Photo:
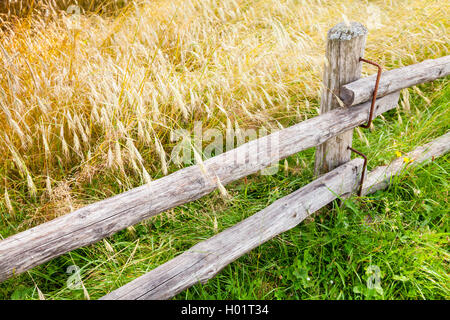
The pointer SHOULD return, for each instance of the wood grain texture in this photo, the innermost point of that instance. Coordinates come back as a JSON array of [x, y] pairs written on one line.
[[94, 222], [345, 45], [204, 260], [361, 90]]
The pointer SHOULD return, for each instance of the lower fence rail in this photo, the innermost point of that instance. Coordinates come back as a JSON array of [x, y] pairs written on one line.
[[207, 258]]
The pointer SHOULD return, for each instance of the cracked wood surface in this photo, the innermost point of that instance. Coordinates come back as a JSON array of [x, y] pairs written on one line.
[[345, 45]]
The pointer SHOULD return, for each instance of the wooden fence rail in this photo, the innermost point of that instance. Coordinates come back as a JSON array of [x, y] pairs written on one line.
[[94, 222], [204, 260]]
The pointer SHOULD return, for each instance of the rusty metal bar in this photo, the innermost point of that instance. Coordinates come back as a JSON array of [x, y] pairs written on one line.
[[375, 90]]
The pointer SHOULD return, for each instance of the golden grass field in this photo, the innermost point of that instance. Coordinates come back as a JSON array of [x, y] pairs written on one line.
[[90, 95]]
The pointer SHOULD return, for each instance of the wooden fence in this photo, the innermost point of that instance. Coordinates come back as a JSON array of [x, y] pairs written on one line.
[[344, 105]]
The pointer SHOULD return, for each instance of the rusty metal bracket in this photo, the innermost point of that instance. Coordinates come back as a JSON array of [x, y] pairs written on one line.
[[369, 122], [363, 173], [375, 90]]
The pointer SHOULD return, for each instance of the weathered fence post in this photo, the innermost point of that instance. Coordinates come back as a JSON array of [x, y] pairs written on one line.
[[345, 45]]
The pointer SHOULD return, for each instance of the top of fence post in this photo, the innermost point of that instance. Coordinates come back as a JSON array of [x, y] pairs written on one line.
[[343, 31], [345, 45]]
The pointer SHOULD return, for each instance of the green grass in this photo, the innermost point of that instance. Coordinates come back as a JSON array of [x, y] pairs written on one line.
[[402, 231]]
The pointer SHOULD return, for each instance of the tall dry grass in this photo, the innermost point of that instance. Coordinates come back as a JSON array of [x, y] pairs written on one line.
[[24, 8], [87, 96]]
